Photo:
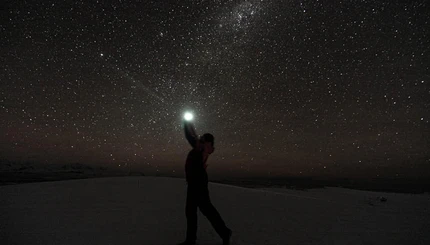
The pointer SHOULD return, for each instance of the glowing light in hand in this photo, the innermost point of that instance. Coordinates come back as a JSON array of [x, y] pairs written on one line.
[[188, 116]]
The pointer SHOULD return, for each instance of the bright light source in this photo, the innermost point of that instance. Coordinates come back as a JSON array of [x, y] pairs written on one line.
[[188, 116]]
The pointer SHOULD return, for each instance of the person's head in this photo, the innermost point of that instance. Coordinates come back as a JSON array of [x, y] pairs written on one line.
[[207, 141]]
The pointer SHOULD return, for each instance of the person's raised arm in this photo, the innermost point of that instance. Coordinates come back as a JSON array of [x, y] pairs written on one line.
[[190, 133]]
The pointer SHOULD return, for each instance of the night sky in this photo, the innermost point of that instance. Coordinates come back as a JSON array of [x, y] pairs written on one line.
[[287, 87]]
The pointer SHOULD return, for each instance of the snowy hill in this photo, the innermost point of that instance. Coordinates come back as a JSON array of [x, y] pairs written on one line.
[[150, 210]]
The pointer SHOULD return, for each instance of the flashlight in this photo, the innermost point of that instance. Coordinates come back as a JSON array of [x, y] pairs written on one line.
[[188, 116]]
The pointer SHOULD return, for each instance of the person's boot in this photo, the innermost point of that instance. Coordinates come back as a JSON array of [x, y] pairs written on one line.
[[187, 243], [227, 238]]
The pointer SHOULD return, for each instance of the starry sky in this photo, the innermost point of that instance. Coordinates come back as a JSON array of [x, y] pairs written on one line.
[[287, 87]]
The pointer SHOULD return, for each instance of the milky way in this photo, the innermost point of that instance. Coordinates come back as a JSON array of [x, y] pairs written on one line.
[[286, 87]]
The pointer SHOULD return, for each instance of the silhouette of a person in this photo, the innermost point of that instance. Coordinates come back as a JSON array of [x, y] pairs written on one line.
[[197, 190]]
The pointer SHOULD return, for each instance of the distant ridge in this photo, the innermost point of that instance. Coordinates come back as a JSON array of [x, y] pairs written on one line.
[[27, 172]]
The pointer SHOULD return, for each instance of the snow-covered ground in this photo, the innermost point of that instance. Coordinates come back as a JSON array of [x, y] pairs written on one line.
[[150, 210]]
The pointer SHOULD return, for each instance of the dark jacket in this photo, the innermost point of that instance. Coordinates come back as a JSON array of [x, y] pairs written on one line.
[[195, 170], [196, 174]]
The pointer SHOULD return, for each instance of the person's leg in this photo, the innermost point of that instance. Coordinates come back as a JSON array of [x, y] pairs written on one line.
[[191, 214], [212, 215]]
